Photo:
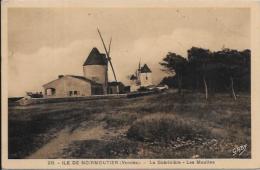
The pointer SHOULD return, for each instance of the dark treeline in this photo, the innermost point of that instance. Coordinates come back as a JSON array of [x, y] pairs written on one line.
[[211, 72]]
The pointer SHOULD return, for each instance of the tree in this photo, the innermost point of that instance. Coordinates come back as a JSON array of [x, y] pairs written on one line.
[[227, 70], [245, 79], [175, 64], [199, 59], [233, 63], [170, 81]]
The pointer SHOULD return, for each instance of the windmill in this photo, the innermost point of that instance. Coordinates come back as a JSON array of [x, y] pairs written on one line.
[[108, 56], [139, 71]]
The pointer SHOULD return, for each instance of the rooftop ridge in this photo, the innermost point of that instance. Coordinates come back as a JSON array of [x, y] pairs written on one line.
[[95, 58]]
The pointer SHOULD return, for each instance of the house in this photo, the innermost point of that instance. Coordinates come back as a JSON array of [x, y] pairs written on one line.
[[71, 85], [94, 81]]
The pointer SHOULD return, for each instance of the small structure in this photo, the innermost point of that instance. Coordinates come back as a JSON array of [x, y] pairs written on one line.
[[145, 76], [141, 78], [134, 83], [35, 95], [116, 87]]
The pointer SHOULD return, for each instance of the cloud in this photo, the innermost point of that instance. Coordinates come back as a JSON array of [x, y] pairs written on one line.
[[28, 72], [152, 50]]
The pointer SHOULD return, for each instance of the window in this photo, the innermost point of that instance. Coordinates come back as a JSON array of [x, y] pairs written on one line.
[[70, 93], [50, 92], [75, 92], [53, 91]]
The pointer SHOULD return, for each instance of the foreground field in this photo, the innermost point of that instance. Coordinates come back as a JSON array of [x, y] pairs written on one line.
[[157, 126]]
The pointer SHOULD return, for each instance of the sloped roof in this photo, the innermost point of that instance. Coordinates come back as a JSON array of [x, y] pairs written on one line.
[[145, 69], [84, 79], [95, 58], [77, 77], [133, 77]]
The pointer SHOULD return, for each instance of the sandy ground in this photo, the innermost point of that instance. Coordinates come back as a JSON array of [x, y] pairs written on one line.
[[54, 148], [100, 129]]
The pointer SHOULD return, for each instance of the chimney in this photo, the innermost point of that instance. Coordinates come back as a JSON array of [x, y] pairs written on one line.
[[60, 76]]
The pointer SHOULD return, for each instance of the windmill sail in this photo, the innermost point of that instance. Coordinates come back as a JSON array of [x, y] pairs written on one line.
[[109, 45], [107, 53]]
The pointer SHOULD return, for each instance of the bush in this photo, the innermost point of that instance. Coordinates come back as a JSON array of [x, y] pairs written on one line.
[[119, 119], [101, 149], [165, 127]]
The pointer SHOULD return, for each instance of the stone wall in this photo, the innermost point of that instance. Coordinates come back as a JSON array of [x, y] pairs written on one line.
[[96, 73]]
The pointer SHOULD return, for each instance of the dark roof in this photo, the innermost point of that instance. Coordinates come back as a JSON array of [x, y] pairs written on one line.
[[95, 58], [84, 79], [114, 83], [133, 77], [145, 69]]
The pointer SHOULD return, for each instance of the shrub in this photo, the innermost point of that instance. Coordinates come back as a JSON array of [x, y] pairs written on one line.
[[119, 119], [101, 149], [165, 127]]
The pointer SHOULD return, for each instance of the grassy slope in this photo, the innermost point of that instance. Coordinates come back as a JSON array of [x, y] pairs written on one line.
[[226, 121]]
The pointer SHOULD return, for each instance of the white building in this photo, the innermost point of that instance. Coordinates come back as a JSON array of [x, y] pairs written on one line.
[[142, 78], [145, 76]]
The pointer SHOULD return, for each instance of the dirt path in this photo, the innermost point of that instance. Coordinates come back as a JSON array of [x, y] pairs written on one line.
[[53, 148]]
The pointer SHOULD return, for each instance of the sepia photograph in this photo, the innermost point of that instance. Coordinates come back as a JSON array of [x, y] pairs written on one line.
[[129, 83]]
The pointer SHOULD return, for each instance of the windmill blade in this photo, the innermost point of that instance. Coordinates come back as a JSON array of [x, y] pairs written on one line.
[[139, 65], [112, 69], [108, 57], [102, 41], [109, 45]]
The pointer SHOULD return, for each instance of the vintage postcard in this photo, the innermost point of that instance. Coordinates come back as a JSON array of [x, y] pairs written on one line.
[[130, 84]]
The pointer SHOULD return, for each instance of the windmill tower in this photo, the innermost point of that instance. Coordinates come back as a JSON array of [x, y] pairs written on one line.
[[145, 76], [95, 67]]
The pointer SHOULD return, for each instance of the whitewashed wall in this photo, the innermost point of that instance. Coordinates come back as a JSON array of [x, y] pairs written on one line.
[[146, 79], [65, 84]]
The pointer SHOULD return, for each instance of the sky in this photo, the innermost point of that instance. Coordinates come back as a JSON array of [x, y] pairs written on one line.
[[46, 42]]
